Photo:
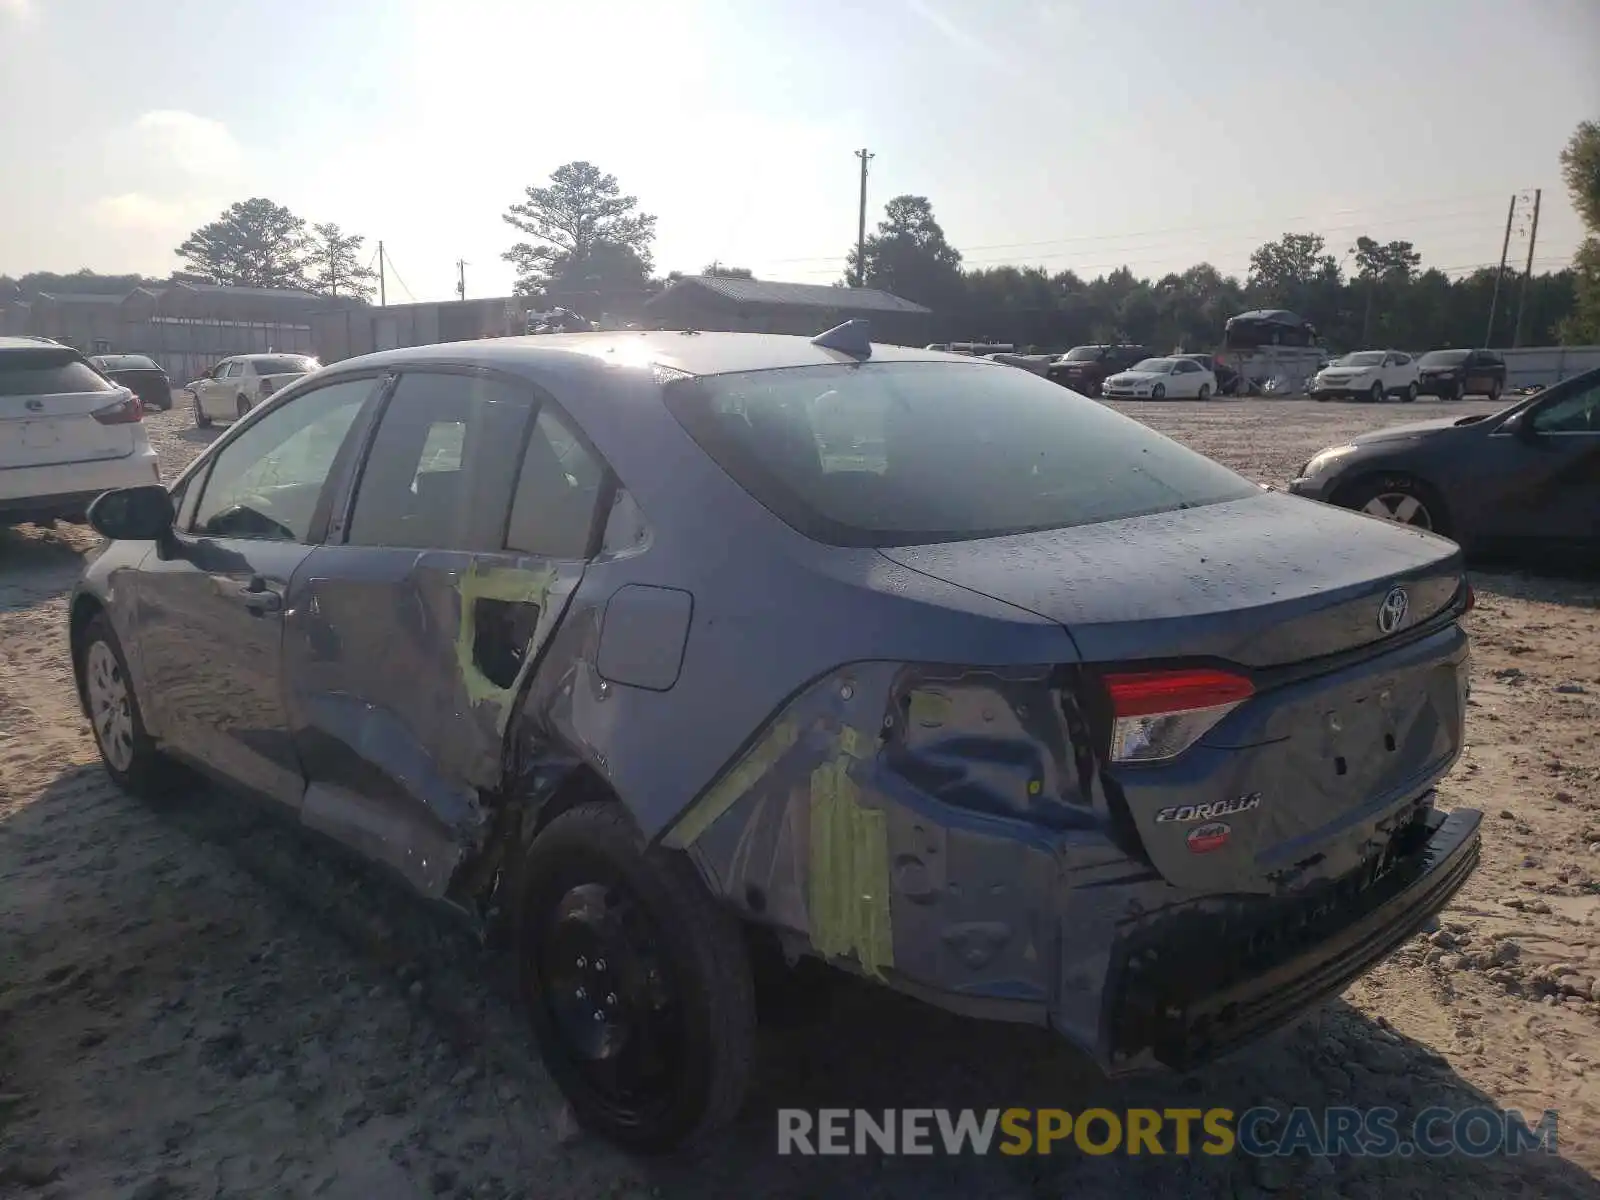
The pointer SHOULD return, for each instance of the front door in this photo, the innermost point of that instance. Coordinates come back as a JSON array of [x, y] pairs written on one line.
[[212, 603], [1549, 480], [418, 622]]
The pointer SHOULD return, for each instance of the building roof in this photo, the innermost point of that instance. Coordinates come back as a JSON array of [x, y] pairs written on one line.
[[796, 295], [81, 297], [224, 289]]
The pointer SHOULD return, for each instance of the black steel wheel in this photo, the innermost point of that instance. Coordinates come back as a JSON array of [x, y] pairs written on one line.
[[636, 982], [1159, 392]]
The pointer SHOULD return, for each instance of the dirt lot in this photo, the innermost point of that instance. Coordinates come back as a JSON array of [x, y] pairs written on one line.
[[195, 1001]]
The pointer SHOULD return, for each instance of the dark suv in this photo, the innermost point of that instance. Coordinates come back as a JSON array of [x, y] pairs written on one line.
[[1085, 368], [1453, 374]]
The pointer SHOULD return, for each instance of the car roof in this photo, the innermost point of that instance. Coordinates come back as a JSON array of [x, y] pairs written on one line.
[[691, 353], [32, 343]]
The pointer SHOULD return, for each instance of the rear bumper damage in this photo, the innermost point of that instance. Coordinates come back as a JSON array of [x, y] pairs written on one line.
[[1052, 917]]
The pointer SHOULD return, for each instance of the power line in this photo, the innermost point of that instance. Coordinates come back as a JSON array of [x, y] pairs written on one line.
[[395, 272]]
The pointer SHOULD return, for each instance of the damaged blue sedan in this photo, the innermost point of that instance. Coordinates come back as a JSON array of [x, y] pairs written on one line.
[[664, 652]]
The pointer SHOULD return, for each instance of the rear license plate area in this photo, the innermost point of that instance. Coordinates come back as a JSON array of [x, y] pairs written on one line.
[[38, 435]]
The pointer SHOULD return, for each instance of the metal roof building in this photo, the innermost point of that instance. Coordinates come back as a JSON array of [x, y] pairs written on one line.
[[714, 302]]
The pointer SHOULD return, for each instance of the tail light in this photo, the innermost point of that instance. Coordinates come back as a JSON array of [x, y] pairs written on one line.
[[1472, 598], [1160, 714], [125, 411]]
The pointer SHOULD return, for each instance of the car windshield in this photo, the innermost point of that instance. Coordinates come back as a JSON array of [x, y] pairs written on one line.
[[1363, 358], [1082, 354], [1154, 366], [125, 362], [48, 373], [1443, 358], [284, 364], [903, 453]]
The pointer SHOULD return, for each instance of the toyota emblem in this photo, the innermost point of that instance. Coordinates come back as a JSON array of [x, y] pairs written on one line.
[[1393, 610]]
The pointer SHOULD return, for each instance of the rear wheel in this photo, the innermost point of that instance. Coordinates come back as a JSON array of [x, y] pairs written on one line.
[[636, 982], [1410, 394], [1159, 392], [1494, 391], [1404, 501], [129, 754], [1205, 391], [201, 421]]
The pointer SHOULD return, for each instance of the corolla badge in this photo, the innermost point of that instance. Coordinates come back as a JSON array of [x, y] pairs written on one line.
[[1393, 610]]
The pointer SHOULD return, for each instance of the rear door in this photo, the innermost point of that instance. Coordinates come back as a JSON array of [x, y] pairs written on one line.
[[419, 621], [48, 400], [212, 605]]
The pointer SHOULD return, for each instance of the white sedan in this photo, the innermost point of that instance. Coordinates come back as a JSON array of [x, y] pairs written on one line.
[[1161, 379], [238, 384]]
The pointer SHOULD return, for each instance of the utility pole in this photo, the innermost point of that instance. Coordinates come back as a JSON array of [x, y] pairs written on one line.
[[383, 292], [861, 227], [461, 278], [1522, 301], [1494, 299]]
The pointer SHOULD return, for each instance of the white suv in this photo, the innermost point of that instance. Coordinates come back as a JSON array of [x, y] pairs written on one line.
[[238, 384], [67, 433], [1367, 375]]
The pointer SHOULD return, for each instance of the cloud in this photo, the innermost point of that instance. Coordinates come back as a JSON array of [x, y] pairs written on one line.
[[142, 213], [194, 145]]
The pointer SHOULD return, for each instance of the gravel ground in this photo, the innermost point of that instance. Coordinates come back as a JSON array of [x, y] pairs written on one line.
[[198, 1001]]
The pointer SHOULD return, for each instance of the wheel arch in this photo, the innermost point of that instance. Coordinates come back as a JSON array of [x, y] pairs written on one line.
[[85, 608], [1445, 517]]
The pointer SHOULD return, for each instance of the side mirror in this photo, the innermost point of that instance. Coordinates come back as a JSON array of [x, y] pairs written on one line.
[[1522, 427], [134, 514]]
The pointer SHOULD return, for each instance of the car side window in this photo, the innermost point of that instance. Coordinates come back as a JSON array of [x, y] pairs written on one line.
[[557, 491], [266, 482], [1402, 360], [1579, 413], [441, 468]]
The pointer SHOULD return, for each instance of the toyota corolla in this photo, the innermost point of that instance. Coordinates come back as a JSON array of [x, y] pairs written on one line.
[[677, 648]]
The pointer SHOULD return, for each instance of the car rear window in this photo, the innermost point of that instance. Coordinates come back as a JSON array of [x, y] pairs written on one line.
[[48, 373], [284, 365], [1443, 358], [126, 362], [904, 453], [1082, 354]]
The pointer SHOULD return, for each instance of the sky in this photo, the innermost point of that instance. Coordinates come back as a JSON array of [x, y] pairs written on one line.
[[1081, 134]]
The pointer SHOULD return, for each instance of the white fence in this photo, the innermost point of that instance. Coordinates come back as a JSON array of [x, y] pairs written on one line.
[[1547, 364]]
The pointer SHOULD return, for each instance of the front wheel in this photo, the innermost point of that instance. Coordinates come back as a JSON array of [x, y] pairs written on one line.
[[241, 406], [1377, 393], [636, 982], [129, 754], [201, 420], [1403, 501], [1159, 392], [1205, 391]]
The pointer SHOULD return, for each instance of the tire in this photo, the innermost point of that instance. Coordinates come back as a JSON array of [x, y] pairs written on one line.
[[1205, 392], [129, 754], [241, 406], [1403, 500], [590, 887], [1494, 391], [1409, 396], [1159, 392], [1376, 395], [201, 421]]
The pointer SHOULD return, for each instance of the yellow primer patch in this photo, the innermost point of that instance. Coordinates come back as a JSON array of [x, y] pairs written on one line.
[[720, 797], [849, 879], [493, 583], [929, 708]]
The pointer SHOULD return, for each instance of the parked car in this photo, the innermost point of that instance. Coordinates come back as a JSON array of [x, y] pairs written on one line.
[[1367, 375], [1084, 368], [1161, 379], [1525, 477], [67, 433], [140, 374], [238, 384], [677, 650], [1454, 374], [1227, 378]]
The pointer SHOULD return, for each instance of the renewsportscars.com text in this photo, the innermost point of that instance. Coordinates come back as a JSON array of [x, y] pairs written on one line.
[[1257, 1132]]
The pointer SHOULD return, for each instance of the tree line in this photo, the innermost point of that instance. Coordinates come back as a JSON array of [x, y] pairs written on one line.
[[587, 245]]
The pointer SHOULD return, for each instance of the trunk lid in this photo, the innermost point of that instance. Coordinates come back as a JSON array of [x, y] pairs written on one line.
[[1264, 581], [1319, 771], [41, 431]]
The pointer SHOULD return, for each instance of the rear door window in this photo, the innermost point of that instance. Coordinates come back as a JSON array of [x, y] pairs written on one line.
[[901, 453], [558, 489], [443, 464], [48, 373]]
